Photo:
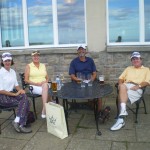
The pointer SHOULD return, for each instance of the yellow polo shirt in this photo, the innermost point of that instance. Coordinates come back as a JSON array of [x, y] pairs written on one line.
[[37, 74], [136, 75]]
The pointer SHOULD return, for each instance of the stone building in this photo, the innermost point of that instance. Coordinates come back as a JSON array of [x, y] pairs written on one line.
[[110, 56]]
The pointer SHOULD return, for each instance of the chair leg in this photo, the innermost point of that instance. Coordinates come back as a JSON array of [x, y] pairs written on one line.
[[117, 105], [144, 105], [136, 114], [34, 108], [14, 113]]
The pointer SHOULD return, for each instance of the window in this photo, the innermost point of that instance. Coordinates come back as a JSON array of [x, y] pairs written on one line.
[[11, 23], [42, 23], [147, 20], [71, 22], [126, 22]]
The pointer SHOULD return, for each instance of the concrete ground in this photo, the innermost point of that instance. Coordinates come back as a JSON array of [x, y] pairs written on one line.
[[83, 132]]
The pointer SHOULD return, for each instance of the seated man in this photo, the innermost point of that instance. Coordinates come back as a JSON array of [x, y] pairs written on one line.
[[84, 65], [130, 83]]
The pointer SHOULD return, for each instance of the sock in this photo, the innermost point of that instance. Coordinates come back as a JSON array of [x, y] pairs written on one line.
[[120, 119], [17, 119], [123, 106]]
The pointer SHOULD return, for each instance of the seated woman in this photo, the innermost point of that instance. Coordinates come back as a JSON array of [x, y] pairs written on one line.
[[8, 81], [36, 75]]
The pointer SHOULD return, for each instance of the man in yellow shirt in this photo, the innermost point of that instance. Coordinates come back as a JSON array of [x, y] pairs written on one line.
[[130, 83]]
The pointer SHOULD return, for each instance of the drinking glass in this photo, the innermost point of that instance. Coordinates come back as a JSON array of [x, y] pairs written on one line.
[[62, 79], [82, 80], [101, 79], [89, 78], [79, 76]]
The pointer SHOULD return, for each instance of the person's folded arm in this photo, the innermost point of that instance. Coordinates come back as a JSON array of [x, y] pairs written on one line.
[[93, 76], [74, 78]]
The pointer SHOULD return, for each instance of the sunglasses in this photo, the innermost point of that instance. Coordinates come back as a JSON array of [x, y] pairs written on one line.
[[35, 52], [6, 55]]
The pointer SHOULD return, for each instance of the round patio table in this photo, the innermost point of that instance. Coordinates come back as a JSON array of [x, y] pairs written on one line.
[[74, 91]]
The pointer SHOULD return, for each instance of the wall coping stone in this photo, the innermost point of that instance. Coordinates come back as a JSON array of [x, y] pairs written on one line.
[[116, 48], [63, 50]]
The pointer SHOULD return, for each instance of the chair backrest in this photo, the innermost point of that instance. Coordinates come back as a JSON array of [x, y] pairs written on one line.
[[24, 85]]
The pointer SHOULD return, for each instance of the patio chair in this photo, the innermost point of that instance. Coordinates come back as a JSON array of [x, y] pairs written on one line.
[[137, 103], [4, 108], [29, 92]]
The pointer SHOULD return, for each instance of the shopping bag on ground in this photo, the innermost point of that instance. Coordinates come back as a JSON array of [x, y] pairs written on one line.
[[56, 122]]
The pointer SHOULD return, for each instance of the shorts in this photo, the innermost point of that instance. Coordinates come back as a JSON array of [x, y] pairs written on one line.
[[38, 89], [133, 95]]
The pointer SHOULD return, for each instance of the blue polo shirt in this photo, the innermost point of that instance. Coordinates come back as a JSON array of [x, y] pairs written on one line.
[[85, 67]]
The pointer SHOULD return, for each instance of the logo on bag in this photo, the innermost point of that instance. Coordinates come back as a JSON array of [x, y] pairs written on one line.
[[52, 120]]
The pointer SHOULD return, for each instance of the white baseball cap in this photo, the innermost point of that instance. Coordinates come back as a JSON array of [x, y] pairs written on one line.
[[81, 46], [6, 56]]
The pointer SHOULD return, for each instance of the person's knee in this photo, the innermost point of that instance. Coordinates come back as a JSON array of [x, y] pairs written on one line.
[[122, 87], [45, 86]]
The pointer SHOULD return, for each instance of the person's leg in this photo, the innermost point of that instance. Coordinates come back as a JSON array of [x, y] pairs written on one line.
[[45, 89], [123, 98], [124, 94], [22, 113]]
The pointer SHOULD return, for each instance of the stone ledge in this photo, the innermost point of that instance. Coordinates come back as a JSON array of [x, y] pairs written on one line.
[[140, 48], [58, 50]]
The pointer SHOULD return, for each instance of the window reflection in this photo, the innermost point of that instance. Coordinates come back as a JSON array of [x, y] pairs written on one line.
[[40, 22], [147, 20], [11, 23], [123, 20], [71, 22]]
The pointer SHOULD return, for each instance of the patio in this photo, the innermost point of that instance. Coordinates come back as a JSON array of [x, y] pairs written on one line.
[[83, 132]]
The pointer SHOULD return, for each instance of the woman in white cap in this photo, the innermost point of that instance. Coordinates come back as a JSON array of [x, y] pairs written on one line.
[[8, 81], [36, 75]]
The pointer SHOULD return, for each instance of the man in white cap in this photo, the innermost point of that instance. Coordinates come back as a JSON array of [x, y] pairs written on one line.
[[85, 66], [130, 83]]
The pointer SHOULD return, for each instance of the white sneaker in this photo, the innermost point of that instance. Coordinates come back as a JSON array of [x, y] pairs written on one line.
[[43, 116], [118, 125], [123, 113]]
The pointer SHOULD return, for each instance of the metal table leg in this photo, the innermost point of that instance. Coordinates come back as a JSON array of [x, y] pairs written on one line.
[[97, 116], [65, 105]]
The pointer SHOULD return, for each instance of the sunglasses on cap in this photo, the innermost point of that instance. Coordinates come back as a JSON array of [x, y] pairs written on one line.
[[6, 55], [35, 52]]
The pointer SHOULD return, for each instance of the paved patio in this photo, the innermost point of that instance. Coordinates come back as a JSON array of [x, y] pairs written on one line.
[[83, 132]]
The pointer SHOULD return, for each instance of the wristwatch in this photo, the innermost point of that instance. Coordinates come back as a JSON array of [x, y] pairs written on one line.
[[140, 86]]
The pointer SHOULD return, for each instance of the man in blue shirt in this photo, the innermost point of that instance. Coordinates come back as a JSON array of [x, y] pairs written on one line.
[[84, 65]]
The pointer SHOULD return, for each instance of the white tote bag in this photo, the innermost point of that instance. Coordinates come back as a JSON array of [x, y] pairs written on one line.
[[56, 123]]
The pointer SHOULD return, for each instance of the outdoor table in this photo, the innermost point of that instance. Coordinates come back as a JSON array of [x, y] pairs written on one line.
[[74, 91]]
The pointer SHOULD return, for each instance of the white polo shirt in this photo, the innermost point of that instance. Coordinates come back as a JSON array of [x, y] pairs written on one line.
[[8, 79]]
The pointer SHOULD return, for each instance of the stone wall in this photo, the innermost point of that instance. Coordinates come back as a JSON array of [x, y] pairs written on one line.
[[109, 64]]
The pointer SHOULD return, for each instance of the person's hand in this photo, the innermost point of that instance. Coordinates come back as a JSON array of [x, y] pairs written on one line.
[[134, 88], [18, 93], [43, 82], [22, 91]]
